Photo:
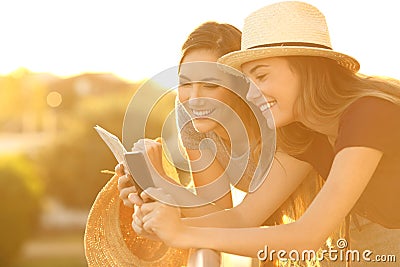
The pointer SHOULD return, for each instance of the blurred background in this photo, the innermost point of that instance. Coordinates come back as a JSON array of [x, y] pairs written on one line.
[[66, 66], [50, 161]]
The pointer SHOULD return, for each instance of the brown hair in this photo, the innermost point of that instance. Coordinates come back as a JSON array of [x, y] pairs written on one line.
[[221, 38]]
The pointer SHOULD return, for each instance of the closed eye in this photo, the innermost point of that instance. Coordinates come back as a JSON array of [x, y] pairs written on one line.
[[210, 85], [261, 77], [187, 85]]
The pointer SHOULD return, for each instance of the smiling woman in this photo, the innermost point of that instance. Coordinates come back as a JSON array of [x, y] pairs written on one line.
[[205, 98], [279, 88], [212, 100], [330, 119]]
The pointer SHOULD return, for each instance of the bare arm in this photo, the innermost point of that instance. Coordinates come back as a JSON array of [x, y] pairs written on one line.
[[204, 177], [350, 173], [128, 192], [285, 176]]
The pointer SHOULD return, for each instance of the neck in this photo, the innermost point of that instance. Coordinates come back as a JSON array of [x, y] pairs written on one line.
[[233, 136], [328, 129], [221, 132]]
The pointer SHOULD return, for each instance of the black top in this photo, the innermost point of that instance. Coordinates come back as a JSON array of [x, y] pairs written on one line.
[[375, 123]]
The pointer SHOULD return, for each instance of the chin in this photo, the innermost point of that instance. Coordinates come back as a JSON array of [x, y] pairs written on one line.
[[281, 123], [203, 125]]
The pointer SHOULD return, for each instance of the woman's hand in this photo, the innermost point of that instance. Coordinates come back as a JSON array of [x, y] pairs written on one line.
[[127, 190], [137, 225], [160, 219], [152, 150]]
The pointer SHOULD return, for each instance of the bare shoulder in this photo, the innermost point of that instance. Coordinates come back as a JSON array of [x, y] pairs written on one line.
[[290, 165], [357, 159]]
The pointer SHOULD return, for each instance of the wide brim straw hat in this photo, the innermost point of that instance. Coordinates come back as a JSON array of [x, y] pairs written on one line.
[[110, 240], [286, 29]]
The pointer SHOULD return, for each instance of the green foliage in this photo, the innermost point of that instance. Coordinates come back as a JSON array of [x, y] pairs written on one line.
[[20, 190]]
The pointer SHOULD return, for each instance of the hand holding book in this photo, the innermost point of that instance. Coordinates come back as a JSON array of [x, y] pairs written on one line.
[[146, 172], [134, 162]]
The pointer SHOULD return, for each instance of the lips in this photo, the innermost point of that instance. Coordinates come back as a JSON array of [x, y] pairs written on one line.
[[202, 112], [267, 105]]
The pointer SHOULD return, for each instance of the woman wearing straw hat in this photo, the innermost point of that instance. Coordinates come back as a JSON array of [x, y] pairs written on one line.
[[329, 118]]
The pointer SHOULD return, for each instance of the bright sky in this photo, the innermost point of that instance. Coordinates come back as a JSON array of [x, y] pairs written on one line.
[[136, 39]]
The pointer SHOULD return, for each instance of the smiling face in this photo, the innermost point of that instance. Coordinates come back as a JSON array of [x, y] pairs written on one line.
[[274, 87], [200, 90]]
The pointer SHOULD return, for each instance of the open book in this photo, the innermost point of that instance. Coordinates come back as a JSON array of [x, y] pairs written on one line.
[[134, 162], [136, 165]]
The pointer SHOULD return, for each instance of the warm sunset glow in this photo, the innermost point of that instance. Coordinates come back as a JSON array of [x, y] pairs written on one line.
[[138, 39], [68, 65], [54, 99]]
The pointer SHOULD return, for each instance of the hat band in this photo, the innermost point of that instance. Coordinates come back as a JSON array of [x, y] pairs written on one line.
[[291, 44]]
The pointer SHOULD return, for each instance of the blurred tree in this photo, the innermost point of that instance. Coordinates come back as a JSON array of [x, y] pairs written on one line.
[[20, 190]]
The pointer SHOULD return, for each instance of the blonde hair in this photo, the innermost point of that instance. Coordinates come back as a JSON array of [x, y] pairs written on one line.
[[327, 90]]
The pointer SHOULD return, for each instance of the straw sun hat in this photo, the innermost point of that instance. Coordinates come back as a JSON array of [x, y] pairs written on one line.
[[110, 240], [286, 29]]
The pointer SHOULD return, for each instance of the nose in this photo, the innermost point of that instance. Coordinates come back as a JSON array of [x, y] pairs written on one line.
[[253, 92], [195, 90], [195, 95]]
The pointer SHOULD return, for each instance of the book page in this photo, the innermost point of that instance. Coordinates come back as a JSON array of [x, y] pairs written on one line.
[[113, 142]]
